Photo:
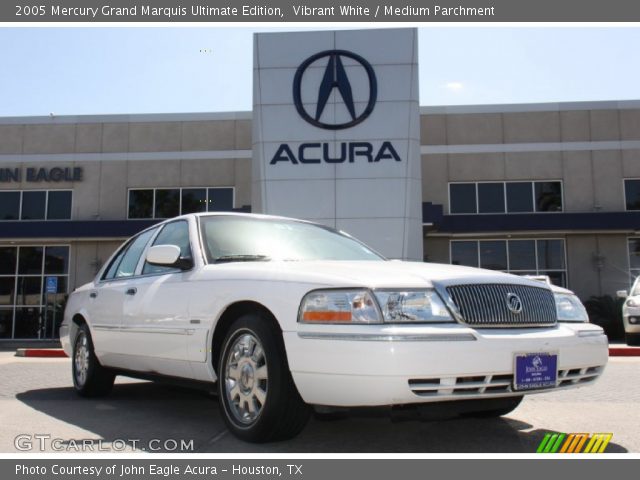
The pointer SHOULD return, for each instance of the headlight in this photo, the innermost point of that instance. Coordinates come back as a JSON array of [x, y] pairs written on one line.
[[339, 306], [632, 303], [361, 306], [412, 306], [570, 309]]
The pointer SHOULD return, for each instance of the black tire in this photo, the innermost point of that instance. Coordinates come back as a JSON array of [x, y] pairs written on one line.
[[493, 407], [256, 375], [632, 339], [90, 379]]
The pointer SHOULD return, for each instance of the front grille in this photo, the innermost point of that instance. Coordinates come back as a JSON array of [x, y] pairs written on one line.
[[486, 305], [492, 384]]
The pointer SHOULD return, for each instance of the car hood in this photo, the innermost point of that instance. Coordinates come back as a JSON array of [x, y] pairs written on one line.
[[372, 274]]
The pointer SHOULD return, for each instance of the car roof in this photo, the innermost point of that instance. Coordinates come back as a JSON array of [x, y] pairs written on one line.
[[238, 214]]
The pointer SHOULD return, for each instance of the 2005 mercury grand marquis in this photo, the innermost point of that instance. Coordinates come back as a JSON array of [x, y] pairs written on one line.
[[285, 314]]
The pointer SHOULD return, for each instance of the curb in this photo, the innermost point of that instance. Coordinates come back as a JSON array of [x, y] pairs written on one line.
[[41, 352], [624, 351]]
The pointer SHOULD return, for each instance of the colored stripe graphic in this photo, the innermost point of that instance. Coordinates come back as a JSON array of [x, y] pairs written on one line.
[[565, 447], [543, 443], [550, 443], [578, 442], [574, 443], [598, 443]]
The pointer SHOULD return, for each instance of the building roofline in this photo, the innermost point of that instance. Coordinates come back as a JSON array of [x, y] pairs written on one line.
[[532, 107], [248, 115], [127, 118]]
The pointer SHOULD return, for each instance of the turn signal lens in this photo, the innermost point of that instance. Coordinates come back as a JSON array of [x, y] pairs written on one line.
[[339, 306]]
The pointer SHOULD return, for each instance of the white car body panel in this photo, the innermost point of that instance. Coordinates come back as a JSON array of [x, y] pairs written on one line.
[[167, 327]]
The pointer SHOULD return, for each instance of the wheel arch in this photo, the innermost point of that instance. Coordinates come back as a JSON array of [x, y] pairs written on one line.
[[232, 312]]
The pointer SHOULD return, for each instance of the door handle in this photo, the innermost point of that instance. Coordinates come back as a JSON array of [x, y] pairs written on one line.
[[131, 291], [93, 294]]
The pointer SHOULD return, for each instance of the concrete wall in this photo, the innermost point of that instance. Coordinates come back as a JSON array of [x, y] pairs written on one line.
[[116, 156], [579, 148]]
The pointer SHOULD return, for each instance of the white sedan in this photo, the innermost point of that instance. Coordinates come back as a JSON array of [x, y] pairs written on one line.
[[285, 315]]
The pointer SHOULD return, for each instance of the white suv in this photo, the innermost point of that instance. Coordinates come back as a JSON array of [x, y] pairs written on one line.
[[285, 314]]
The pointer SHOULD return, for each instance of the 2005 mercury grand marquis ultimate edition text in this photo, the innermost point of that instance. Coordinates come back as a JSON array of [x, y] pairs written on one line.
[[286, 315]]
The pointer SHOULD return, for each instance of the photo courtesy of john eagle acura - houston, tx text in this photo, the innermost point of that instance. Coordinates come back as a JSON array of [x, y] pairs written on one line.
[[317, 253]]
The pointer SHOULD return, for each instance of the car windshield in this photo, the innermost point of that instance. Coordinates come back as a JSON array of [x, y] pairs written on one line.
[[229, 239]]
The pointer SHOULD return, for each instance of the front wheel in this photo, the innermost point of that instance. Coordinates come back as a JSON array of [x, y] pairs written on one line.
[[90, 379], [258, 399], [632, 339]]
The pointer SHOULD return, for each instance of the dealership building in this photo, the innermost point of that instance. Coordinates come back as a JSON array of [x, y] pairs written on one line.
[[337, 136]]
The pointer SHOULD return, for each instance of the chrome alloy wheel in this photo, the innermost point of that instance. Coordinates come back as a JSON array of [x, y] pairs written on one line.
[[246, 378], [81, 359]]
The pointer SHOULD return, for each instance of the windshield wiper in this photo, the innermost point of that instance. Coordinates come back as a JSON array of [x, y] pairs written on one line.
[[242, 258]]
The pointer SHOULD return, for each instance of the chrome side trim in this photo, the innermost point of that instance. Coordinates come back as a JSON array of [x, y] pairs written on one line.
[[375, 337], [163, 330]]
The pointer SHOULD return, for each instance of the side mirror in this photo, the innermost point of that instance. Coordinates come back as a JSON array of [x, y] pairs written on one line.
[[622, 294], [163, 255]]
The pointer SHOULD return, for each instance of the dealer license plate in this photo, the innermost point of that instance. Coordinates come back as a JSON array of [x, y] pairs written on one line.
[[535, 370]]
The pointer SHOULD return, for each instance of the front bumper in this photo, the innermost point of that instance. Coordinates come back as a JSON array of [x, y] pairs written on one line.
[[394, 365], [628, 326]]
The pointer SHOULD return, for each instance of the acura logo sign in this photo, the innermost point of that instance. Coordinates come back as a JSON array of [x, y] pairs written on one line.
[[514, 304], [335, 78]]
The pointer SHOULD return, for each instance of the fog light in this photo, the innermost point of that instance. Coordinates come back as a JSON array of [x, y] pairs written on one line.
[[633, 320]]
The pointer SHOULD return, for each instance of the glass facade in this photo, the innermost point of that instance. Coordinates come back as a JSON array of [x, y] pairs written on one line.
[[505, 197], [171, 202], [27, 310], [520, 257], [36, 205]]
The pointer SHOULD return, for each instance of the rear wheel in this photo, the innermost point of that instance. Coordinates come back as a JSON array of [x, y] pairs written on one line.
[[90, 379], [258, 399], [632, 339]]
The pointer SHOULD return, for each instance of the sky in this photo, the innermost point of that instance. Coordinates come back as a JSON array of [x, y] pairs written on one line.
[[77, 71]]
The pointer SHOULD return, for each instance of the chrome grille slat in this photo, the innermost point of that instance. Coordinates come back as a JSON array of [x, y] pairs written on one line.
[[486, 304]]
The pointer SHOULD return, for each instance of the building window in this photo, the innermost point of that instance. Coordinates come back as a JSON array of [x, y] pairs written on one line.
[[548, 196], [36, 205], [26, 309], [171, 202], [167, 204], [59, 205], [9, 205], [634, 257], [520, 257], [519, 197], [462, 198], [490, 198], [632, 194], [509, 197]]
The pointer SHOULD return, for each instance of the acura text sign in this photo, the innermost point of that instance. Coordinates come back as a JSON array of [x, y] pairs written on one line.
[[336, 133]]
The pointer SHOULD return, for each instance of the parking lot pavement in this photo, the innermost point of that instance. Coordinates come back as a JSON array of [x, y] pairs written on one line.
[[36, 398]]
